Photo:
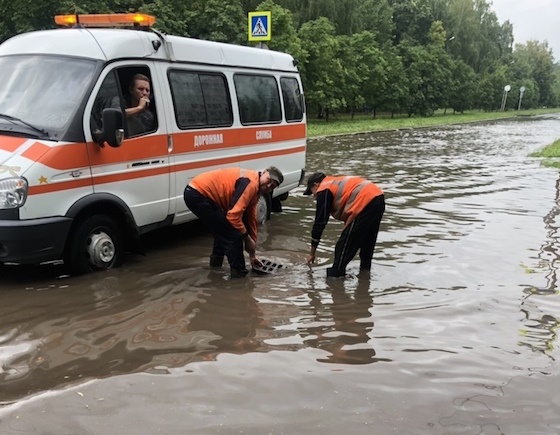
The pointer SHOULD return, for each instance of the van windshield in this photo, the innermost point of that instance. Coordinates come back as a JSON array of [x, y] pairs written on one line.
[[42, 93]]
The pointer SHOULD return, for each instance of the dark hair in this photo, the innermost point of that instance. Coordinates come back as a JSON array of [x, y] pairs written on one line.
[[138, 77]]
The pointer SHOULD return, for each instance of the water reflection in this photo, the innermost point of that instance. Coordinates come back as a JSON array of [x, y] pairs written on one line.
[[177, 317], [340, 323], [157, 322], [540, 303], [450, 308]]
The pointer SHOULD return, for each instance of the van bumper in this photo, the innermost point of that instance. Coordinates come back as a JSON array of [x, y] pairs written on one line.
[[33, 241]]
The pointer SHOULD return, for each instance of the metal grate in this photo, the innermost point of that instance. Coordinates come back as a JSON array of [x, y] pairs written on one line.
[[267, 267]]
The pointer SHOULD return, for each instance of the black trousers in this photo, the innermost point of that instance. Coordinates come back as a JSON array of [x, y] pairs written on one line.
[[227, 240], [360, 234]]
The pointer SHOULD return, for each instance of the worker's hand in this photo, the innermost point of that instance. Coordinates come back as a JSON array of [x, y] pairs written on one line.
[[310, 259], [255, 262], [144, 103], [250, 246]]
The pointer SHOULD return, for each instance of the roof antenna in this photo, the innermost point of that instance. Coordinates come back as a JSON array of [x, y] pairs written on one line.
[[78, 25]]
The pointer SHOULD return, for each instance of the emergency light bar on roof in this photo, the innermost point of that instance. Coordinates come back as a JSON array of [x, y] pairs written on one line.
[[105, 20]]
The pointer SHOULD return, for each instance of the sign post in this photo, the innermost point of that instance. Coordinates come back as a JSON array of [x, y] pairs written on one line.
[[260, 26], [507, 88], [521, 90]]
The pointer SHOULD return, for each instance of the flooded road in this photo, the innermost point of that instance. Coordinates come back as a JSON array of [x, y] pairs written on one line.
[[454, 331]]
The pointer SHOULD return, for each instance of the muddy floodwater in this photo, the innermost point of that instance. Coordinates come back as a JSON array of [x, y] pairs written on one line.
[[453, 332]]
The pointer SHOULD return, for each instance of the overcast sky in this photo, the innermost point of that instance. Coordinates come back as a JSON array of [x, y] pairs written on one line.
[[532, 19]]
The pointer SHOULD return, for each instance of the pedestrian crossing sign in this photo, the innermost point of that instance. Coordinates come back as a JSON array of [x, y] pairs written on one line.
[[259, 26]]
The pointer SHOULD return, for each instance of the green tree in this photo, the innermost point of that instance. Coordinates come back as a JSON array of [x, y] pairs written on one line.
[[412, 20], [323, 78], [284, 34], [463, 88], [371, 68], [491, 89], [474, 34], [20, 16], [352, 76], [363, 68], [429, 71], [217, 20], [538, 57], [169, 16], [556, 84], [429, 79], [395, 96], [530, 98], [376, 16]]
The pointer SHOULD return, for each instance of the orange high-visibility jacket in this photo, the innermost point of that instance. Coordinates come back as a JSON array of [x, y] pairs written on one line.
[[350, 195], [236, 191]]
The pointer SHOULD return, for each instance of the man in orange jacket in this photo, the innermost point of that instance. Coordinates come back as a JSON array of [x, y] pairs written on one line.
[[226, 201], [357, 202]]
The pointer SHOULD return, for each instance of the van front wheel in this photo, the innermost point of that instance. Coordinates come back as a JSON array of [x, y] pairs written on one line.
[[96, 244]]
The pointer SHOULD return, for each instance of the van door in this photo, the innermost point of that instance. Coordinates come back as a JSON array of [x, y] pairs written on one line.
[[200, 121], [137, 172]]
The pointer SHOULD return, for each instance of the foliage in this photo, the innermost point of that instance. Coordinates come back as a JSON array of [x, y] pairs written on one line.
[[398, 56], [538, 58], [551, 154], [324, 72], [216, 20], [552, 150], [365, 70], [285, 37], [463, 87], [344, 124]]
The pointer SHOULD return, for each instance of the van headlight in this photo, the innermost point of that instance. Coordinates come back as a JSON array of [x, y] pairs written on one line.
[[13, 192]]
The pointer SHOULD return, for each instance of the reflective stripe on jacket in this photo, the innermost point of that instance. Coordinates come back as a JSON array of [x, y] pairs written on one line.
[[351, 195], [236, 191]]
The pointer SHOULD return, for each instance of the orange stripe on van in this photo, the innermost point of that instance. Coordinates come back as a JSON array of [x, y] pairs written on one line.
[[219, 138], [140, 148], [235, 159], [127, 176], [63, 157], [10, 144], [75, 155], [36, 151], [100, 179], [56, 187], [132, 175]]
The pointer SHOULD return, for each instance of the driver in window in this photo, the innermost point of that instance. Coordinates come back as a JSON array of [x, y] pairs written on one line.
[[139, 103], [140, 118]]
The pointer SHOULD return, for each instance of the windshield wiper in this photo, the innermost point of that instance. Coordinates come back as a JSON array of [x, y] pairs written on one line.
[[15, 120]]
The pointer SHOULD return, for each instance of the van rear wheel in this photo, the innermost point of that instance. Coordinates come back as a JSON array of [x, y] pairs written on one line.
[[264, 208], [96, 244]]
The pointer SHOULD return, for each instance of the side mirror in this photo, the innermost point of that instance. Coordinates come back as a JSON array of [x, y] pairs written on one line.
[[113, 128]]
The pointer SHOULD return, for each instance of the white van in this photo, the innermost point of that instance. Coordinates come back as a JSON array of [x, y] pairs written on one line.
[[80, 182]]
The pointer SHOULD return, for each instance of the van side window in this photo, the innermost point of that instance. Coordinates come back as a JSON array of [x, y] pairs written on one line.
[[200, 99], [258, 98], [292, 97]]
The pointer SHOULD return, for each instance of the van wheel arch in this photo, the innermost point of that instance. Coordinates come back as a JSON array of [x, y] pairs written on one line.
[[116, 217]]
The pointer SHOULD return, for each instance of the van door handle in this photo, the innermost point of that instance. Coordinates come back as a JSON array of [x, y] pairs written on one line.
[[169, 143]]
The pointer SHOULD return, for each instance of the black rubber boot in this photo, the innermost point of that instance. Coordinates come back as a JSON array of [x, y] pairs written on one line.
[[238, 273], [335, 273], [216, 260], [365, 265]]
